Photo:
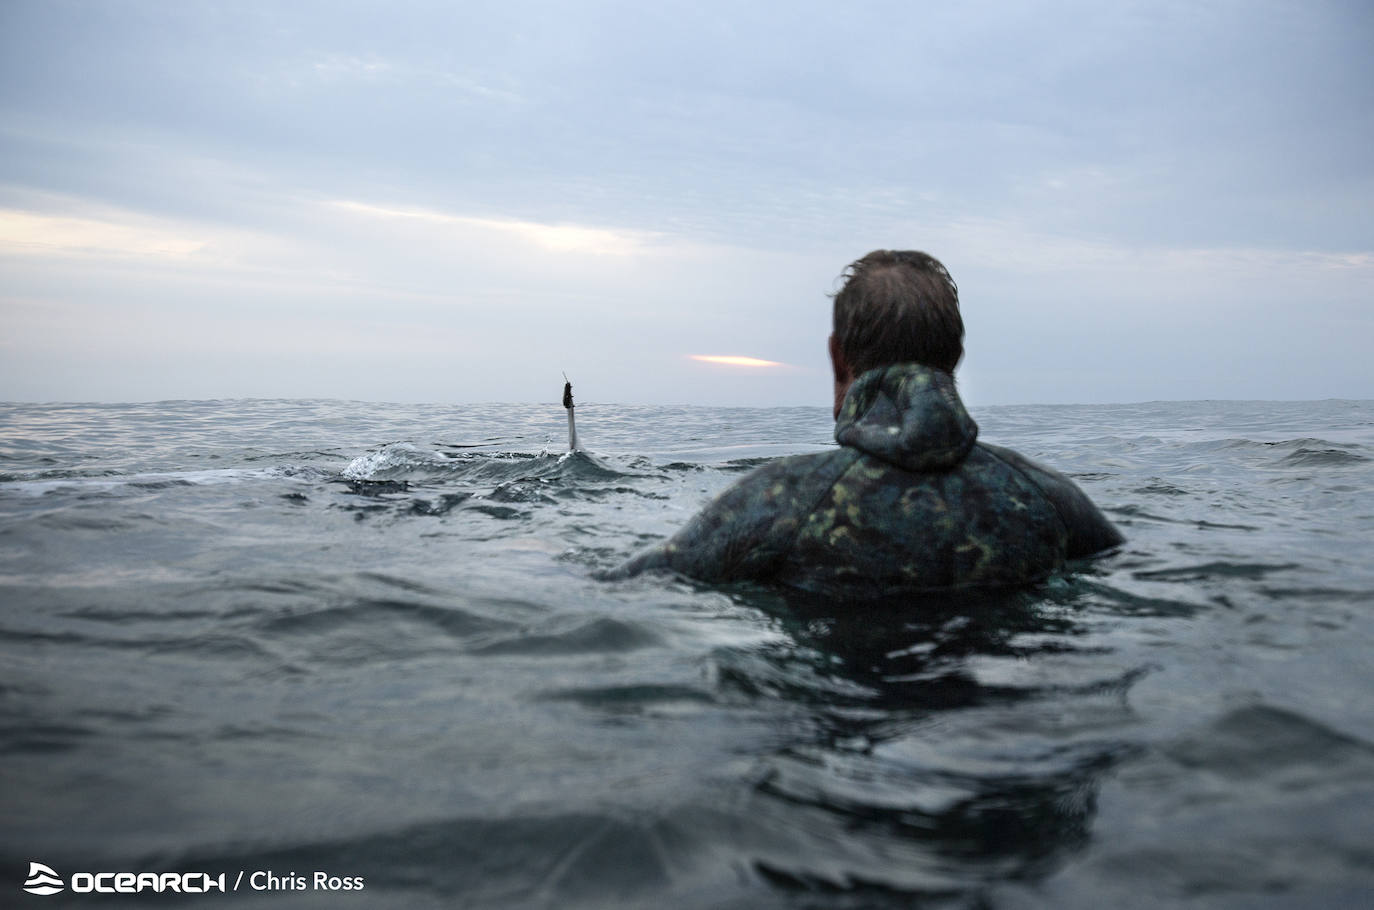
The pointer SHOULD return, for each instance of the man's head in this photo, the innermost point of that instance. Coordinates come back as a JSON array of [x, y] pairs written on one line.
[[896, 306]]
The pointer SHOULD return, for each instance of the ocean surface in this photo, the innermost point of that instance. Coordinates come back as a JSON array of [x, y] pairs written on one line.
[[292, 637]]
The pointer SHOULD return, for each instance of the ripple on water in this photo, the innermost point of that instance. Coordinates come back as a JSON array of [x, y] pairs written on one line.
[[1218, 569], [600, 635], [368, 630], [634, 699], [1214, 798]]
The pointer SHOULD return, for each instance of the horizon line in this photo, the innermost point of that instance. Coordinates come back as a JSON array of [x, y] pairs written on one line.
[[553, 403]]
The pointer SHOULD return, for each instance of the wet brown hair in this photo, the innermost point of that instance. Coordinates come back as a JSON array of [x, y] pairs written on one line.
[[898, 306]]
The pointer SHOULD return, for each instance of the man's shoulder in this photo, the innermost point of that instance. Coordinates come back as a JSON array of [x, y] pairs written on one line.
[[1089, 530], [804, 465], [1028, 467], [781, 490], [746, 529]]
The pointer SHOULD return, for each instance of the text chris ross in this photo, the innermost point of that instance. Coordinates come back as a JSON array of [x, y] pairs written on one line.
[[319, 881]]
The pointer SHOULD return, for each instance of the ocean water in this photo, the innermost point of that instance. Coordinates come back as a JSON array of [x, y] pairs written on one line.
[[292, 637]]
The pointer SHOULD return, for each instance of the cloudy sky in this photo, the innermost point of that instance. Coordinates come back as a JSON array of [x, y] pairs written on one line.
[[457, 201]]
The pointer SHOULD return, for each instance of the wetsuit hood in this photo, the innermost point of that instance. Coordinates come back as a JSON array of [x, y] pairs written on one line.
[[909, 415]]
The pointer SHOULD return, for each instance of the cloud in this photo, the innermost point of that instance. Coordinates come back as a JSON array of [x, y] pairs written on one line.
[[1012, 244], [26, 233], [557, 238], [337, 66]]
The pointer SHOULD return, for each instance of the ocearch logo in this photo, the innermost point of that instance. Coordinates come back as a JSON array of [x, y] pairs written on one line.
[[45, 880], [42, 880]]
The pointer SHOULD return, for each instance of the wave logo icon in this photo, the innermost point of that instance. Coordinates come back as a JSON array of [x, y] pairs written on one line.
[[42, 880]]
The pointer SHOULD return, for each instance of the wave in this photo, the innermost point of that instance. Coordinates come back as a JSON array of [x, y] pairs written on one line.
[[502, 485], [1218, 569], [403, 461], [38, 736], [383, 617], [1324, 458], [1303, 451], [1158, 487], [108, 481], [600, 635], [1262, 740], [634, 699], [1133, 511], [395, 460], [1272, 444], [372, 630]]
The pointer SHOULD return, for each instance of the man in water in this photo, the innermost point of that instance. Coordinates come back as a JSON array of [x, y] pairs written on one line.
[[909, 501]]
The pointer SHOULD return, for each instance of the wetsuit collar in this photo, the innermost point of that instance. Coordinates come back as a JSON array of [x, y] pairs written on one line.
[[909, 415]]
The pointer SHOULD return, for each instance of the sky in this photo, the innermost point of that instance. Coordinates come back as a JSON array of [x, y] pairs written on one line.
[[461, 201]]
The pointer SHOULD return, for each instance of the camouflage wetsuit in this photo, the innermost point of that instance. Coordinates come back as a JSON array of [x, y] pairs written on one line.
[[908, 502]]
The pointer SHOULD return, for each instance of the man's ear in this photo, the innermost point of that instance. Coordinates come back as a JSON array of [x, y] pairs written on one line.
[[843, 374], [839, 362]]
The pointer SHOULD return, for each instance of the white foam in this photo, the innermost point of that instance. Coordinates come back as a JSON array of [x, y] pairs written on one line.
[[390, 460]]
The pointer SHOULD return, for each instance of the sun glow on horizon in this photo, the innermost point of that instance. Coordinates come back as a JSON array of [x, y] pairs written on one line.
[[735, 361]]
